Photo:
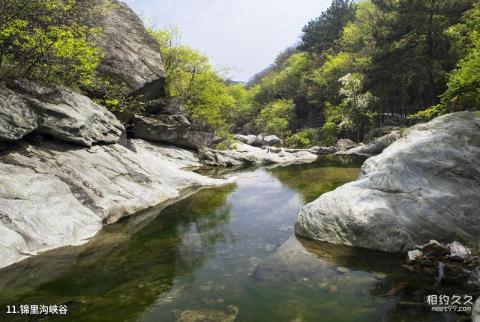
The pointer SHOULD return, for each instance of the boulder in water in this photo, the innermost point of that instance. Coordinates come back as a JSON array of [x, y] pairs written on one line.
[[424, 186]]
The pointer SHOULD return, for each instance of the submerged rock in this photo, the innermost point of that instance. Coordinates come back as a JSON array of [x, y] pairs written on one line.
[[57, 111], [208, 315], [56, 194], [424, 186]]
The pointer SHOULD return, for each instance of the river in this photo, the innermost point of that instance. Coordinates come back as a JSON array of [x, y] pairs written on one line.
[[232, 250]]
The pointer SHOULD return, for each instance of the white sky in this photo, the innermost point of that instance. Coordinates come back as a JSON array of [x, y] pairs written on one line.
[[245, 35]]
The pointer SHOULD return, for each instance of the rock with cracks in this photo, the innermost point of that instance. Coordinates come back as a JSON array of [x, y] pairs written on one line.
[[424, 186]]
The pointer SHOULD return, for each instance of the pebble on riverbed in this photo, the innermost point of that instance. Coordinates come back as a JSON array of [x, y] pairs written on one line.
[[458, 263]]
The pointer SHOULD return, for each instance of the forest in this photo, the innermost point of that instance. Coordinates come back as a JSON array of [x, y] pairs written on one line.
[[360, 68]]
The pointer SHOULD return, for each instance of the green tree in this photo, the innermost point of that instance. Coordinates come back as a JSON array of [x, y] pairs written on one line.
[[323, 33], [414, 52], [463, 92], [49, 39], [192, 80], [277, 118]]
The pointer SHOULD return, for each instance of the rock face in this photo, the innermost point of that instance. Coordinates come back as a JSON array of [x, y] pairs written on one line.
[[172, 126], [55, 194], [375, 147], [57, 111], [131, 54], [16, 117], [249, 155], [424, 186]]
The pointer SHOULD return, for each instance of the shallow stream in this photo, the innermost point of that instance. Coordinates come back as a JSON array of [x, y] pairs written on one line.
[[224, 253]]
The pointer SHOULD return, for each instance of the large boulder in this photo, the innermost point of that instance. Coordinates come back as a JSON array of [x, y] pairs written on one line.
[[57, 111], [16, 117], [424, 186], [131, 54]]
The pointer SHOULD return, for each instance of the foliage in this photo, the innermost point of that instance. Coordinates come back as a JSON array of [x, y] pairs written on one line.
[[48, 39], [193, 81], [324, 32], [303, 138], [277, 117], [463, 92]]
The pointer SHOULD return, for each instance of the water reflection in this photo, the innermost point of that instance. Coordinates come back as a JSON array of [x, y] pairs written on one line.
[[118, 274]]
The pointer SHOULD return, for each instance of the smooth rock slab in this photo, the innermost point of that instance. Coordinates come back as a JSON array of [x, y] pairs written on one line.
[[424, 186], [57, 194]]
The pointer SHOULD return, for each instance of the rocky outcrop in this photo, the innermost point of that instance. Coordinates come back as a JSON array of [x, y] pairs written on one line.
[[259, 140], [453, 263], [54, 110], [132, 56], [375, 147], [245, 154], [55, 194], [424, 186], [170, 125]]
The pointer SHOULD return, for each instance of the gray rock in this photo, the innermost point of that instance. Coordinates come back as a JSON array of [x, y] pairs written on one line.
[[424, 186], [245, 154], [250, 139], [375, 147], [131, 54], [458, 252], [16, 117], [345, 144], [67, 115], [162, 128], [414, 256], [271, 140], [173, 129], [434, 248], [55, 195]]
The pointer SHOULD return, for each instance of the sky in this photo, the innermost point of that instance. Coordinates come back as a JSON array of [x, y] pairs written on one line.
[[244, 36]]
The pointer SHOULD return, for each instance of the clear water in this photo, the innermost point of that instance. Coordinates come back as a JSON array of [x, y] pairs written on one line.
[[225, 247]]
